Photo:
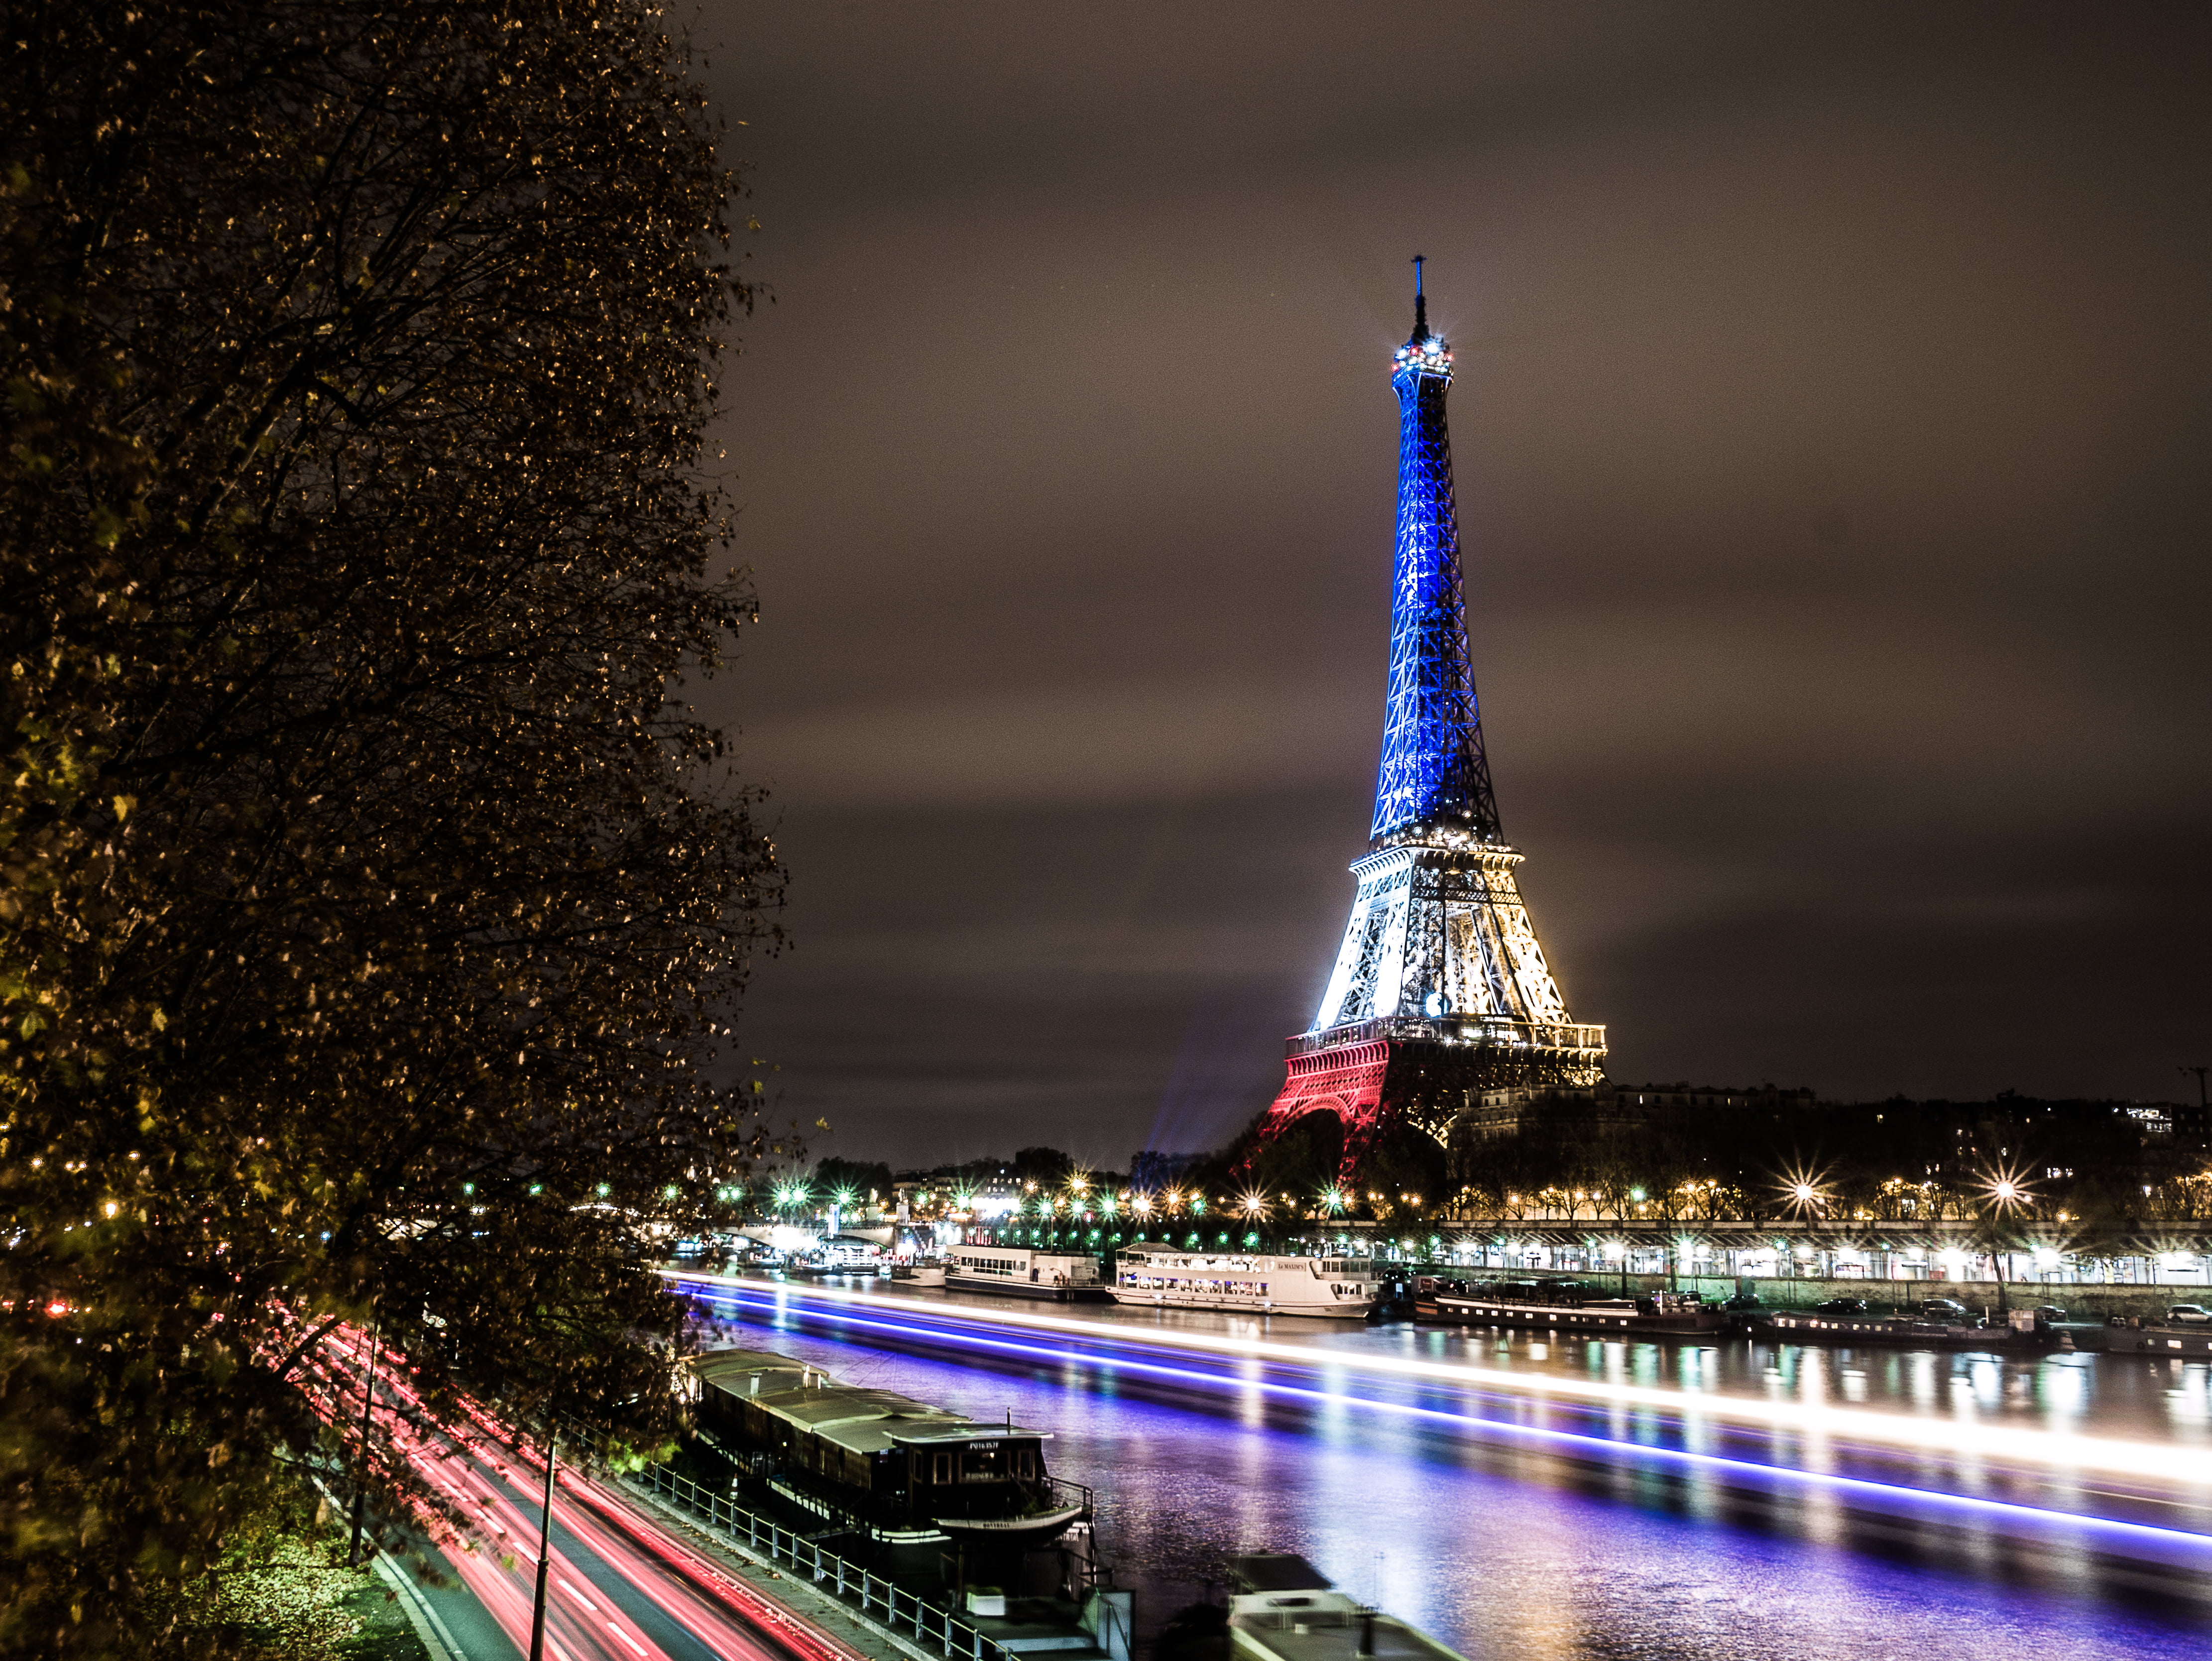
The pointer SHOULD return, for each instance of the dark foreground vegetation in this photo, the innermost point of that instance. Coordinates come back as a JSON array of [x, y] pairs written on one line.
[[371, 921]]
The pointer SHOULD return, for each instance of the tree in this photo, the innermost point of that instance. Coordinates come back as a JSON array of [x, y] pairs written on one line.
[[1047, 1167], [372, 920], [862, 1179]]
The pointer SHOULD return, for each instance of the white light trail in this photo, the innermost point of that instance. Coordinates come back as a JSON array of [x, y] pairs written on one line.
[[2165, 1463]]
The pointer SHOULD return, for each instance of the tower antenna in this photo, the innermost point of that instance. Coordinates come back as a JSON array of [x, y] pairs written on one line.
[[1420, 303]]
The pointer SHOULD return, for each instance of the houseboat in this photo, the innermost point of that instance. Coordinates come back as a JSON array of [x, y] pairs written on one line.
[[1016, 1272], [1339, 1286], [1283, 1608], [870, 1459], [1565, 1307]]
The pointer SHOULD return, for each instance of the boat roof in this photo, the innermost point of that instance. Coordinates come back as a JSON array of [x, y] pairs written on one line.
[[716, 1361], [1277, 1571], [815, 1407], [850, 1416]]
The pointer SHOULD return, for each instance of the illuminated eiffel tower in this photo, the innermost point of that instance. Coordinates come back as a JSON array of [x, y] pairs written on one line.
[[1441, 996]]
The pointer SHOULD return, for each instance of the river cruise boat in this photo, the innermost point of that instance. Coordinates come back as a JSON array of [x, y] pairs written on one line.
[[1013, 1271], [901, 1469], [1339, 1286], [1283, 1608], [1565, 1307]]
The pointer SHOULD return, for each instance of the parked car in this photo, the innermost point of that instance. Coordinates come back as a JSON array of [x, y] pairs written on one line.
[[1947, 1310], [1841, 1306], [2189, 1315]]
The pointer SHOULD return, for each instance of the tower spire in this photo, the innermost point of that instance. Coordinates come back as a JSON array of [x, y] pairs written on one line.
[[1434, 771]]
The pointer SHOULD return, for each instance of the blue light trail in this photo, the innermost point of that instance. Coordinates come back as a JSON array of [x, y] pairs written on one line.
[[2186, 1546]]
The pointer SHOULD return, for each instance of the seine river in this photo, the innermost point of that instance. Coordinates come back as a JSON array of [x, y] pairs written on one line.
[[1516, 1524]]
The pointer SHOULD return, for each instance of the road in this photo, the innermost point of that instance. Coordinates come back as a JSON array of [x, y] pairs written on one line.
[[620, 1586]]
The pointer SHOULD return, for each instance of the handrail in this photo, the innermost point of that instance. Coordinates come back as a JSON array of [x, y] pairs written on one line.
[[877, 1599]]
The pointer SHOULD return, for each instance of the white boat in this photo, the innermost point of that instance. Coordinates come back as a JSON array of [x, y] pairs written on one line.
[[1282, 1608], [1258, 1285], [1021, 1273]]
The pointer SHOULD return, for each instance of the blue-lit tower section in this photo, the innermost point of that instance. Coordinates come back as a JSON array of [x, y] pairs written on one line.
[[1441, 1007], [1433, 772]]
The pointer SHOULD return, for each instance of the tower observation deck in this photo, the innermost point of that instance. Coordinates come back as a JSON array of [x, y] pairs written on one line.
[[1440, 992]]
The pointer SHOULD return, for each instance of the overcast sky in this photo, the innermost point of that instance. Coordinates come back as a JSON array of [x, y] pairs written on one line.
[[1830, 429]]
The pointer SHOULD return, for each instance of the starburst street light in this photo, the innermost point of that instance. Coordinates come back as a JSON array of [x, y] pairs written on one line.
[[1253, 1205], [1141, 1204], [1805, 1191], [1332, 1200], [2005, 1190]]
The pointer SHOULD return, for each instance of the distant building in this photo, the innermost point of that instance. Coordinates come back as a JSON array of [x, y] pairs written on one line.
[[1606, 1106]]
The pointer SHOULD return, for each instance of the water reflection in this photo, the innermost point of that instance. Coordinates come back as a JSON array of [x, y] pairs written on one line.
[[1522, 1547]]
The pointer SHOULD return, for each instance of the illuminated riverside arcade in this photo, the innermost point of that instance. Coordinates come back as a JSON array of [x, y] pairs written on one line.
[[1441, 994]]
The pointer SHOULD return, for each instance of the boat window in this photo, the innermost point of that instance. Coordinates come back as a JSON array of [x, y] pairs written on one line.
[[984, 1465], [942, 1471]]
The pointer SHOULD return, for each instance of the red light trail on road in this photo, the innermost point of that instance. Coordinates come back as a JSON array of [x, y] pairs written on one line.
[[612, 1540]]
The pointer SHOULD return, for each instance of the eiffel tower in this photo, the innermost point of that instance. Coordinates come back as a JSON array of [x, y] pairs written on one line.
[[1441, 996]]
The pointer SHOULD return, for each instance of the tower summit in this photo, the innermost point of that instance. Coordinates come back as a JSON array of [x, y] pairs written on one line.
[[1433, 769], [1441, 994]]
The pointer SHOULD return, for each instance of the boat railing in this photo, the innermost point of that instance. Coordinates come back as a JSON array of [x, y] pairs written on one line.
[[1311, 1620], [1057, 1491], [878, 1599]]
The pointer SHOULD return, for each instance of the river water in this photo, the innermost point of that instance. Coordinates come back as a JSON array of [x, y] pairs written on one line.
[[1513, 1525]]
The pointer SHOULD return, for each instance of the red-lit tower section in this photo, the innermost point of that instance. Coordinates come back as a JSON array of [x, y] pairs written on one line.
[[1441, 991]]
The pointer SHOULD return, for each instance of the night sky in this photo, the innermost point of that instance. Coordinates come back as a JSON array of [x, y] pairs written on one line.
[[1831, 426]]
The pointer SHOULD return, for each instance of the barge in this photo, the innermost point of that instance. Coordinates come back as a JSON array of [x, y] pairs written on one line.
[[899, 1470], [1565, 1307], [1340, 1287], [1017, 1272], [1798, 1326]]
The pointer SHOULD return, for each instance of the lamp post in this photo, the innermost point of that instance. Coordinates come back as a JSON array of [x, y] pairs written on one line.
[[2005, 1193], [361, 1482], [545, 1555]]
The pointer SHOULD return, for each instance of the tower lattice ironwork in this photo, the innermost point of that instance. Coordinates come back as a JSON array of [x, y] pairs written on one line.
[[1441, 992]]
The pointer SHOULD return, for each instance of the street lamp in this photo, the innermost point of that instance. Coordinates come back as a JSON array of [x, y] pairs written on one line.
[[2005, 1193]]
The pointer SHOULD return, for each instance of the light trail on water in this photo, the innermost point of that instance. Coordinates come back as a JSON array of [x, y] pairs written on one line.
[[2181, 1546]]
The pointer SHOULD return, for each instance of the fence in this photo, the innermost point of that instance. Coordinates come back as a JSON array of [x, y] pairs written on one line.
[[877, 1599]]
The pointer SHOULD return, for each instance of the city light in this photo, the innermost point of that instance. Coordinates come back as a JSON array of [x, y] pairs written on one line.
[[1805, 1191]]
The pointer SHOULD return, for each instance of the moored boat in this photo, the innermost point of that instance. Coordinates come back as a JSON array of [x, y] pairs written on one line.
[[1565, 1307], [1017, 1272], [1283, 1608], [872, 1459], [1254, 1283]]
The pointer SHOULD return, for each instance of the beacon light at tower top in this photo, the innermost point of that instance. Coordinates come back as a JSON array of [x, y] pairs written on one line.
[[1428, 355]]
